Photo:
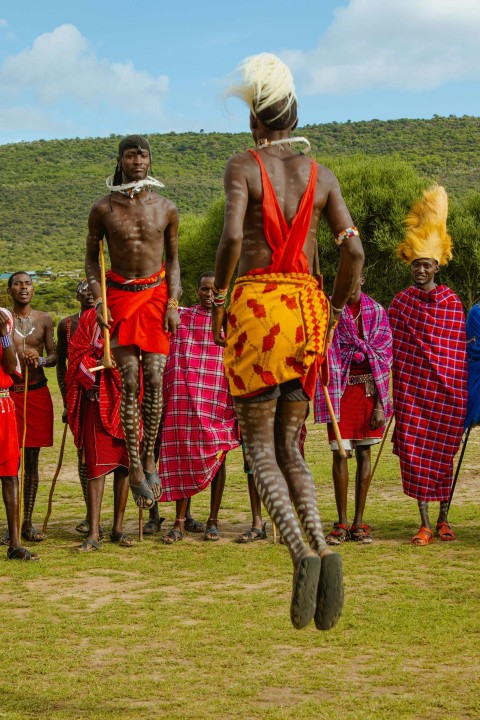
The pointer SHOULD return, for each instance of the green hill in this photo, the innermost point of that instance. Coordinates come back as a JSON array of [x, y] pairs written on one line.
[[48, 187]]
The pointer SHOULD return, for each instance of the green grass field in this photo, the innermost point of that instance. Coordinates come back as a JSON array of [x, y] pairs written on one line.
[[202, 630]]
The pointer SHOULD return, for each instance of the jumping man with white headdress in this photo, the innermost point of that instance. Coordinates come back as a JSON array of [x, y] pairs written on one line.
[[142, 298], [277, 324]]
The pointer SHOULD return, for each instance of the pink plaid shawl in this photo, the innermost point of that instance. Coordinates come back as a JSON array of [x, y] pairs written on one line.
[[198, 423], [347, 346], [429, 388]]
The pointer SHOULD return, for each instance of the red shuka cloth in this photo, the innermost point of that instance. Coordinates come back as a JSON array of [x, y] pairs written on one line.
[[95, 424], [8, 428], [39, 417], [198, 422], [429, 388], [137, 317]]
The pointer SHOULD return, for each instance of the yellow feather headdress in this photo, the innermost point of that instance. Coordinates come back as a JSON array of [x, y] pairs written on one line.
[[426, 234]]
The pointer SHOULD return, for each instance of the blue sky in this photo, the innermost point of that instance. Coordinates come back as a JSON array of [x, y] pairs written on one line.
[[85, 68]]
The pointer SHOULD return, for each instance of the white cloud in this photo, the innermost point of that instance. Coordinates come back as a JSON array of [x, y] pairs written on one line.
[[62, 66], [393, 44]]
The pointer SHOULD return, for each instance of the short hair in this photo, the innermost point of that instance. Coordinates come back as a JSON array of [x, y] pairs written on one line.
[[268, 89], [19, 272], [208, 273], [137, 142]]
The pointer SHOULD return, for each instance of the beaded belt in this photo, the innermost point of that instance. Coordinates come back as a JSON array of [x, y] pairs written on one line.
[[131, 287], [367, 380], [93, 394], [33, 386], [4, 392]]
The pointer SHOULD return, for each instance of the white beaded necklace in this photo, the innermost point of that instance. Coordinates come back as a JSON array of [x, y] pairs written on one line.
[[263, 142]]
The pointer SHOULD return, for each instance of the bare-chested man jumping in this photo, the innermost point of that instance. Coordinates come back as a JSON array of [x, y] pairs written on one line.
[[142, 298], [278, 319]]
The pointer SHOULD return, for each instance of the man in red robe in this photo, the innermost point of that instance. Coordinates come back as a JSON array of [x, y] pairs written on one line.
[[278, 320], [9, 440], [429, 367], [93, 407]]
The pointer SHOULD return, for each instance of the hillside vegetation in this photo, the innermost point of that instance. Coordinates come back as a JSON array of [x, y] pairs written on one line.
[[48, 187]]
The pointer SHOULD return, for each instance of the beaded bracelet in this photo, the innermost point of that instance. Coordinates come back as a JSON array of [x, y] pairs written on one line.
[[5, 341], [42, 360], [98, 301], [172, 303], [347, 233], [338, 310]]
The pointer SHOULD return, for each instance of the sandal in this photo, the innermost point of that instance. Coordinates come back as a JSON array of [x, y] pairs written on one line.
[[194, 526], [445, 532], [174, 535], [153, 526], [211, 533], [338, 535], [20, 553], [153, 483], [361, 534], [252, 535], [142, 493], [423, 537], [122, 540], [32, 535], [83, 527], [89, 545]]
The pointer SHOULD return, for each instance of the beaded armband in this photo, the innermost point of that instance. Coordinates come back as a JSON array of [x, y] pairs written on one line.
[[97, 302], [347, 233], [5, 341]]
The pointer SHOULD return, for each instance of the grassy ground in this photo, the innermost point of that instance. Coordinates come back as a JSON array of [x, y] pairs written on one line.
[[199, 630]]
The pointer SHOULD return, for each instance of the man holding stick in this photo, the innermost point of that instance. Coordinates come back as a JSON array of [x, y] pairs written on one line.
[[359, 359], [143, 293], [32, 334], [279, 316]]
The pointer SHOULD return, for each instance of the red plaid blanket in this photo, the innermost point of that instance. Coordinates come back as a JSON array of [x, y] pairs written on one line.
[[198, 423], [429, 388]]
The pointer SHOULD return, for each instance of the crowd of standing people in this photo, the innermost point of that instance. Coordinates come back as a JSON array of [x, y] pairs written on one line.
[[159, 394]]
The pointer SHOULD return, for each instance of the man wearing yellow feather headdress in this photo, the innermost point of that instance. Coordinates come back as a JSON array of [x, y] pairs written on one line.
[[279, 317], [429, 366]]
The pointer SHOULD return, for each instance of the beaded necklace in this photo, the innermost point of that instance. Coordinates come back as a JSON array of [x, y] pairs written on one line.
[[26, 325], [133, 188], [263, 142]]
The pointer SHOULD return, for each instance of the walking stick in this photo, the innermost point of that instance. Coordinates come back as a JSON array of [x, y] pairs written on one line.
[[22, 456], [140, 524], [57, 472], [381, 448], [107, 358], [333, 420], [459, 464]]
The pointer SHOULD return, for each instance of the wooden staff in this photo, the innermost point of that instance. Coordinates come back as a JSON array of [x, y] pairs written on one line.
[[459, 465], [333, 420], [22, 456], [140, 524], [107, 358], [381, 448], [57, 472]]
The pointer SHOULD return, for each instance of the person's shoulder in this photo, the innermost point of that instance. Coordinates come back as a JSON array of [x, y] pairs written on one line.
[[42, 316], [101, 205], [162, 202]]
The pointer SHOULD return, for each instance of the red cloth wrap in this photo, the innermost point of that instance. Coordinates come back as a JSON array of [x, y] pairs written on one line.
[[356, 410], [103, 452], [39, 417], [8, 438], [429, 388], [85, 351], [137, 317]]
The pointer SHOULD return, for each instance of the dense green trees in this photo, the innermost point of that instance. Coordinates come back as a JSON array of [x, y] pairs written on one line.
[[47, 189]]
